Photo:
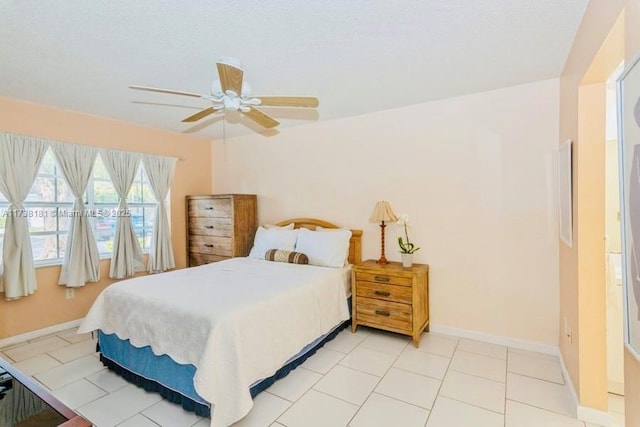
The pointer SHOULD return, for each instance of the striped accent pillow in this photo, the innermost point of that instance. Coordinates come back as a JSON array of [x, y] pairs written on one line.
[[280, 255]]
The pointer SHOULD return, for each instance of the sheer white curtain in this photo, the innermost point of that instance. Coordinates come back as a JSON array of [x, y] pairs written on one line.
[[81, 259], [20, 159], [127, 258], [160, 173]]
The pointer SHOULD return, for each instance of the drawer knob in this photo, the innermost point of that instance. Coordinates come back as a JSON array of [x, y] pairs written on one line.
[[209, 227], [208, 245], [382, 313], [209, 208], [382, 293], [383, 279]]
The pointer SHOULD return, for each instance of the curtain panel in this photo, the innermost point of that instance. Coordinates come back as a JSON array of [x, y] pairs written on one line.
[[20, 159], [160, 172], [81, 259]]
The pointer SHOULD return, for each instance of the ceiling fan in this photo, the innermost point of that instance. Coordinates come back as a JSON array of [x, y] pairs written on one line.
[[231, 92]]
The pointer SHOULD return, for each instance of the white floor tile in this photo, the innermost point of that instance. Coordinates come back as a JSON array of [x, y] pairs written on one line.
[[37, 364], [479, 365], [383, 411], [347, 384], [441, 345], [323, 360], [521, 415], [78, 393], [369, 361], [409, 387], [345, 341], [537, 367], [316, 409], [266, 409], [452, 413], [29, 350], [169, 414], [294, 385], [474, 390], [74, 351], [73, 336], [617, 420], [118, 406], [532, 353], [69, 372], [541, 394], [107, 380], [480, 347], [139, 421], [385, 342], [422, 363]]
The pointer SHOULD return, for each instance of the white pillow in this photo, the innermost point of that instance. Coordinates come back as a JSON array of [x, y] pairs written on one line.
[[324, 249], [274, 238], [284, 227], [346, 257]]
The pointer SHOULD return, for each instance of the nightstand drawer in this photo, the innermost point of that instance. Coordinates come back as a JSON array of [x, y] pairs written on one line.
[[220, 227], [383, 278], [385, 313], [210, 208], [210, 245], [383, 291], [196, 259]]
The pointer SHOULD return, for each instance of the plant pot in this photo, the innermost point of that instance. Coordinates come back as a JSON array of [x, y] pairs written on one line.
[[407, 260]]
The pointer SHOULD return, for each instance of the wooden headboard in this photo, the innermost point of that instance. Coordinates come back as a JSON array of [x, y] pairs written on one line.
[[355, 244]]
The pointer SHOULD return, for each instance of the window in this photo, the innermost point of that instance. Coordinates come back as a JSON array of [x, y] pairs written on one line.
[[50, 201]]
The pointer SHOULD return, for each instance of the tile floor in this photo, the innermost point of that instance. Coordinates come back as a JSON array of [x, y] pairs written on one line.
[[367, 379]]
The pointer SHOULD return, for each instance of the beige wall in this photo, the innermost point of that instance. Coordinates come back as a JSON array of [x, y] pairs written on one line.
[[48, 305], [476, 174]]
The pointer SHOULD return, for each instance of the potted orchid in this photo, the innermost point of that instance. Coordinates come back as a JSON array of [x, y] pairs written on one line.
[[406, 247]]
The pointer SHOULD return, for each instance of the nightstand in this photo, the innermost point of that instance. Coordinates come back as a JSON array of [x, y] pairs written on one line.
[[391, 297]]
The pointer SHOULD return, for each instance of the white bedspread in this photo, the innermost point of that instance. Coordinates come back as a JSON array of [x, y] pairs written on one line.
[[237, 321]]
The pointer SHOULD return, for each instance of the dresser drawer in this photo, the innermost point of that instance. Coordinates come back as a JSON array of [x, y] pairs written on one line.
[[218, 227], [210, 208], [384, 313], [384, 291], [383, 278], [210, 245], [196, 259]]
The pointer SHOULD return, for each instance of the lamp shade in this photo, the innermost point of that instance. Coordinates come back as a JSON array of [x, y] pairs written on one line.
[[383, 212]]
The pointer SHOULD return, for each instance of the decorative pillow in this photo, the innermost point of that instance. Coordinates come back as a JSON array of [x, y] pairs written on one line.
[[274, 238], [283, 227], [286, 256], [324, 249]]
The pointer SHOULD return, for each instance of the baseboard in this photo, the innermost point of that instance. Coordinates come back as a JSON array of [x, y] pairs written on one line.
[[594, 416], [496, 339], [17, 339], [572, 390]]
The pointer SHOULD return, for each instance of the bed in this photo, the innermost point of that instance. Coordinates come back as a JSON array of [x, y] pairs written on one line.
[[220, 333]]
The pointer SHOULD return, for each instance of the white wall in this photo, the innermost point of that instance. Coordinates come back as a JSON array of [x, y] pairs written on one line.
[[476, 174]]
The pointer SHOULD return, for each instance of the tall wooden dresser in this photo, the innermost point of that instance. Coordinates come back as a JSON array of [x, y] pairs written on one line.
[[220, 226]]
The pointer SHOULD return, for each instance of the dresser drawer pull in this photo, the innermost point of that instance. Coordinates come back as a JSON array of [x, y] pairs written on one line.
[[383, 313], [381, 279], [382, 293], [208, 245], [209, 208], [209, 227]]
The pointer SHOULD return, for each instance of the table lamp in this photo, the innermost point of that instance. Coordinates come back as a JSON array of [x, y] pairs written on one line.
[[381, 213]]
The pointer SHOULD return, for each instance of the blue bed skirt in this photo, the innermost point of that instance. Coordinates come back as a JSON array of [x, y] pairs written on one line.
[[174, 381]]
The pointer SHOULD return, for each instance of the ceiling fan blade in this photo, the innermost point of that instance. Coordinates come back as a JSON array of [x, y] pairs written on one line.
[[288, 101], [261, 118], [200, 114], [173, 92], [230, 77]]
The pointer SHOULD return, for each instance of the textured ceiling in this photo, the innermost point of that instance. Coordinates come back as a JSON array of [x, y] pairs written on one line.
[[356, 56]]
